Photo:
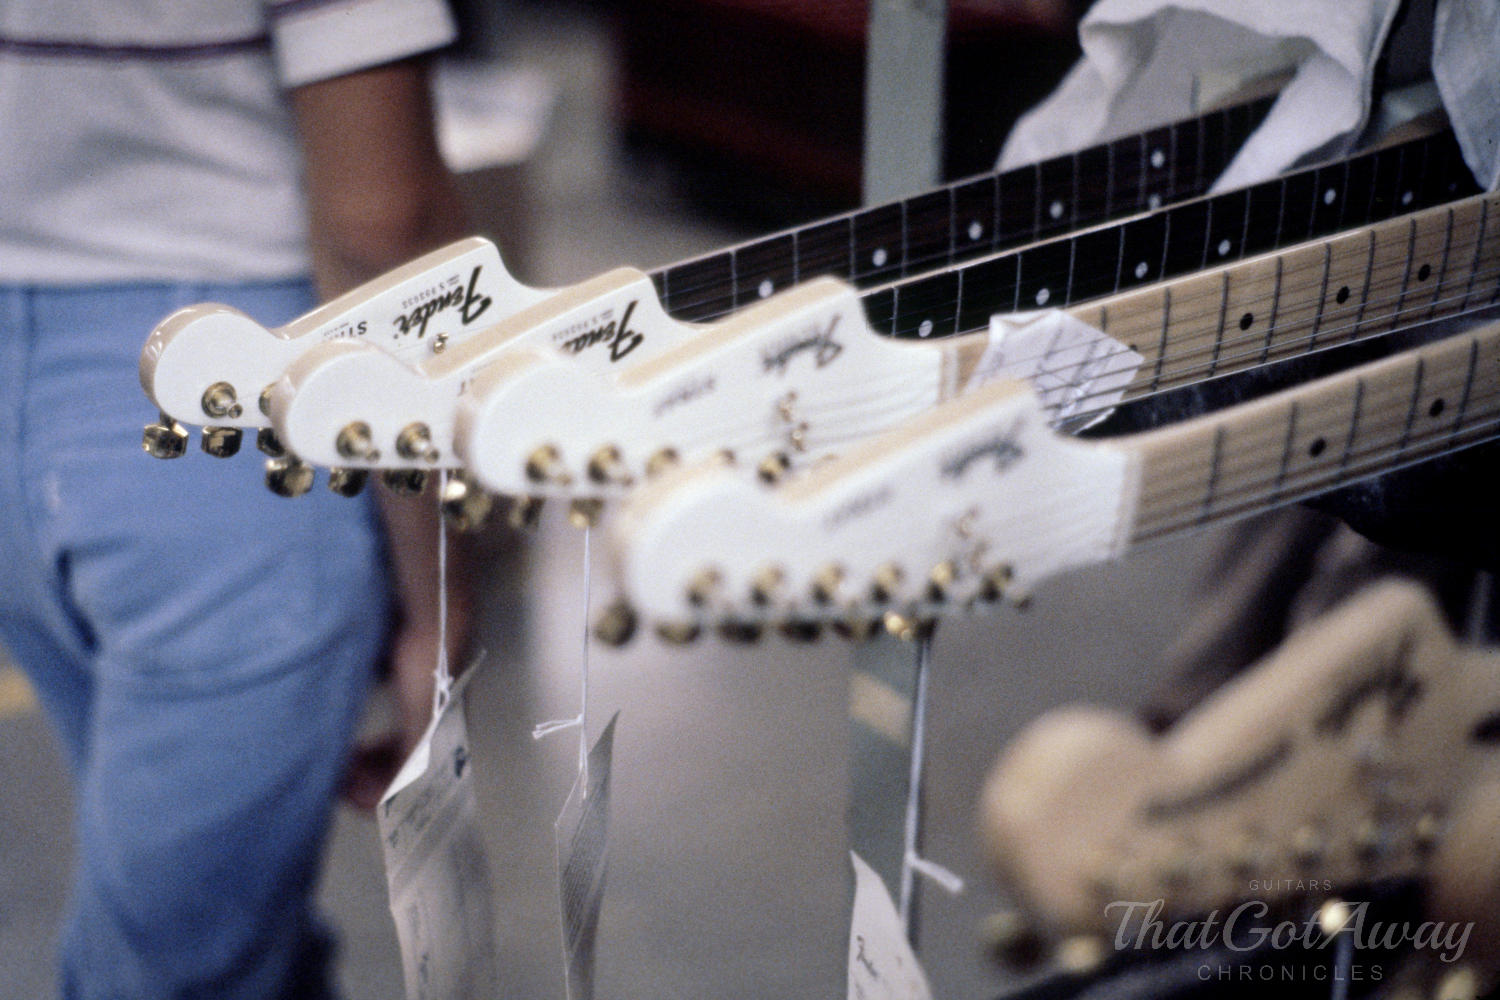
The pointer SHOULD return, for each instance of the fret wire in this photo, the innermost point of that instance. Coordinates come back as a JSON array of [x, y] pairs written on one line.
[[1213, 473], [1443, 264], [905, 240], [1463, 403], [1072, 267], [1411, 245], [1359, 398], [958, 303], [1172, 157], [1286, 450], [1364, 297], [1280, 215], [1223, 320], [1411, 410], [1343, 196], [1076, 196], [1322, 295], [1161, 351], [796, 256], [1036, 200], [1484, 214], [952, 226], [1265, 351], [1140, 186]]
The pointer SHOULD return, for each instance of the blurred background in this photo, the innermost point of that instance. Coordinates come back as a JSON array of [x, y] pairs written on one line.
[[642, 132]]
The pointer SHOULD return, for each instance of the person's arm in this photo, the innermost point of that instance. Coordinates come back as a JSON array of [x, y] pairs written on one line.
[[379, 195]]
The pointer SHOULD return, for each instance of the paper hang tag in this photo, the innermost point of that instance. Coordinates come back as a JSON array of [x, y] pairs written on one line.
[[436, 866], [582, 835], [882, 965], [1073, 367]]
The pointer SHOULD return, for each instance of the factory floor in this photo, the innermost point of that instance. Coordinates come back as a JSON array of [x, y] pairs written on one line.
[[728, 866]]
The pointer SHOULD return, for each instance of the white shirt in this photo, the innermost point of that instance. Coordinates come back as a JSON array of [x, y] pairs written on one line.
[[151, 139]]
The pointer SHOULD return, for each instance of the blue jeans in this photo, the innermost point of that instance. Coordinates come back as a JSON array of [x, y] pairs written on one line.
[[203, 647]]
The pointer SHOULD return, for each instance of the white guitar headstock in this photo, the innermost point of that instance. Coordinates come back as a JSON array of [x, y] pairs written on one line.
[[355, 406], [778, 384], [211, 364], [1366, 749], [969, 498]]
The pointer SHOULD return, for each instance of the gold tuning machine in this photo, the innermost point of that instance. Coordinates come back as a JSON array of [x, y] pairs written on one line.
[[941, 580], [993, 586], [356, 441], [766, 586], [545, 465], [165, 438], [465, 504], [739, 631], [661, 461], [773, 467], [856, 627], [348, 482], [264, 400], [289, 476], [269, 444], [584, 512], [221, 442], [798, 630], [1013, 940], [677, 633], [524, 512], [414, 442], [404, 482], [219, 401], [886, 582], [607, 465], [616, 625], [825, 586], [907, 628], [701, 589]]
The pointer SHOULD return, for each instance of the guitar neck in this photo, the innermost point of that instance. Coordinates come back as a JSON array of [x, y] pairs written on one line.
[[1412, 406], [1179, 240], [972, 217]]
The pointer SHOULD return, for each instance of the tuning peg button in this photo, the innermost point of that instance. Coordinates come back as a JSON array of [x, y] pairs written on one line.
[[740, 632], [584, 512], [221, 442], [288, 477], [165, 438], [404, 482], [678, 633], [661, 461], [269, 444], [616, 625], [886, 582], [773, 467], [524, 512], [465, 504], [347, 482]]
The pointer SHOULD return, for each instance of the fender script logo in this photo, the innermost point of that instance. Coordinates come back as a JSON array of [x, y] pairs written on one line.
[[1003, 446], [621, 339], [469, 303], [825, 349]]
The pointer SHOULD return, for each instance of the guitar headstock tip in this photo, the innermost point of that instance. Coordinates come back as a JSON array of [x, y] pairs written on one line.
[[164, 438]]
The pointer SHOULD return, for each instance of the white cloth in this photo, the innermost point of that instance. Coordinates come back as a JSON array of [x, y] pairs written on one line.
[[1146, 61], [174, 111], [1466, 65]]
